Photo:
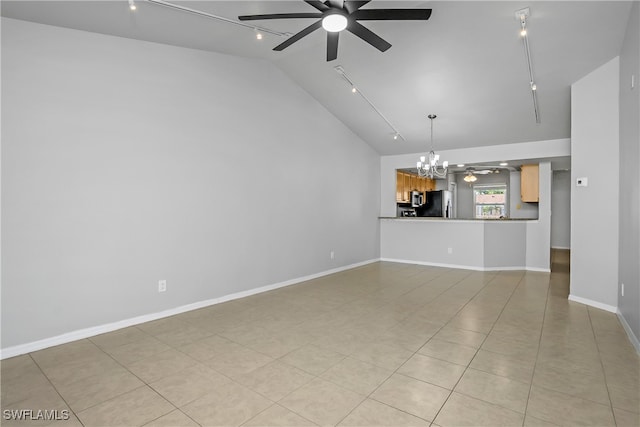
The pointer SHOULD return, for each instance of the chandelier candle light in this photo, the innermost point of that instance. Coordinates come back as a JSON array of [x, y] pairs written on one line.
[[429, 167]]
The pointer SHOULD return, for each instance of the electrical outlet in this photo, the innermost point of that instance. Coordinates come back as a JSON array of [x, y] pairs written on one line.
[[449, 251], [332, 255], [162, 285], [621, 289]]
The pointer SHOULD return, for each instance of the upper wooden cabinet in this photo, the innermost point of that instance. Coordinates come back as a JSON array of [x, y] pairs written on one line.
[[406, 183], [529, 177], [430, 184], [399, 186]]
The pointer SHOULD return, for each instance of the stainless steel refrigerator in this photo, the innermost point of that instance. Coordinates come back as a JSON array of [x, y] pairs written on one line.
[[436, 204]]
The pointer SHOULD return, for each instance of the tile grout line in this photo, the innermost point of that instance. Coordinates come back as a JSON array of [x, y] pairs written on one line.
[[478, 349], [604, 374], [535, 364], [345, 357], [414, 353], [56, 388], [144, 383], [417, 351]]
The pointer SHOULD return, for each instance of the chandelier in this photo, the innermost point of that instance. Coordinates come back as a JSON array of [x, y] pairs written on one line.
[[429, 167]]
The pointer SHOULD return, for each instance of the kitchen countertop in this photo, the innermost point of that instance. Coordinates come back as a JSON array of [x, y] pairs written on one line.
[[429, 218]]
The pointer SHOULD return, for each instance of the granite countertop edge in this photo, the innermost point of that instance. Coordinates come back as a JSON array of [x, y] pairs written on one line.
[[426, 218]]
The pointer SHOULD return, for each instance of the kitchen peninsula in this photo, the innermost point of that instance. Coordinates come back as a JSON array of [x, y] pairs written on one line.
[[476, 244]]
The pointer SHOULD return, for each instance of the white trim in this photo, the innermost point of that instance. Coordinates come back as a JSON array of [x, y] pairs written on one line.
[[596, 304], [561, 247], [432, 264], [109, 327], [629, 331], [541, 270], [515, 268], [466, 267]]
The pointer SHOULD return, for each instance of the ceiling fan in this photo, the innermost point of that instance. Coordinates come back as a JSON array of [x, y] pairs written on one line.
[[338, 15]]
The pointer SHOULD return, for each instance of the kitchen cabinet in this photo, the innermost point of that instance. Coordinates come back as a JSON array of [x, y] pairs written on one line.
[[403, 186], [406, 183], [399, 186], [407, 188], [414, 183], [430, 184], [529, 178], [422, 185]]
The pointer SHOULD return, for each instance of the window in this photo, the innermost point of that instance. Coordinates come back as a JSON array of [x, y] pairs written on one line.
[[490, 201]]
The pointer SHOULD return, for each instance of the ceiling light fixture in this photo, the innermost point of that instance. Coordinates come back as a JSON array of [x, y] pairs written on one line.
[[522, 16], [258, 34], [334, 22], [132, 5], [428, 165], [470, 177], [216, 17], [356, 89]]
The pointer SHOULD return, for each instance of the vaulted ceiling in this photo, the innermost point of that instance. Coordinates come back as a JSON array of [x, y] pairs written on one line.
[[466, 63]]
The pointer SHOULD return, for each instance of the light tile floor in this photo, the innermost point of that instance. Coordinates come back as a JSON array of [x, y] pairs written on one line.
[[384, 344]]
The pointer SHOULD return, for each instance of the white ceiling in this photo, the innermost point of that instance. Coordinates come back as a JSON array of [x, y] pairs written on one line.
[[466, 64]]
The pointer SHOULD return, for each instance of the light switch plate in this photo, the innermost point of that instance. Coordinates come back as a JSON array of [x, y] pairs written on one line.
[[582, 182]]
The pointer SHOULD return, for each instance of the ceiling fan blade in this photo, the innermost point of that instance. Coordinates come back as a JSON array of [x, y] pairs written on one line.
[[318, 5], [391, 14], [294, 38], [332, 45], [352, 6], [338, 4], [369, 36], [279, 16]]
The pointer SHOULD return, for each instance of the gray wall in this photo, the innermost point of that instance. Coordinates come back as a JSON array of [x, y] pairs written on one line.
[[539, 232], [594, 228], [465, 191], [126, 162], [517, 208], [561, 209], [629, 245]]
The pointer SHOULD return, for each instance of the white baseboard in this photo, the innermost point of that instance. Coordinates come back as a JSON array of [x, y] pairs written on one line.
[[632, 337], [466, 267], [596, 304], [110, 327], [541, 270], [432, 264]]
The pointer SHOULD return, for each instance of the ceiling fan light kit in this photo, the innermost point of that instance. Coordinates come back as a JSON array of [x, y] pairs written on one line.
[[335, 22]]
